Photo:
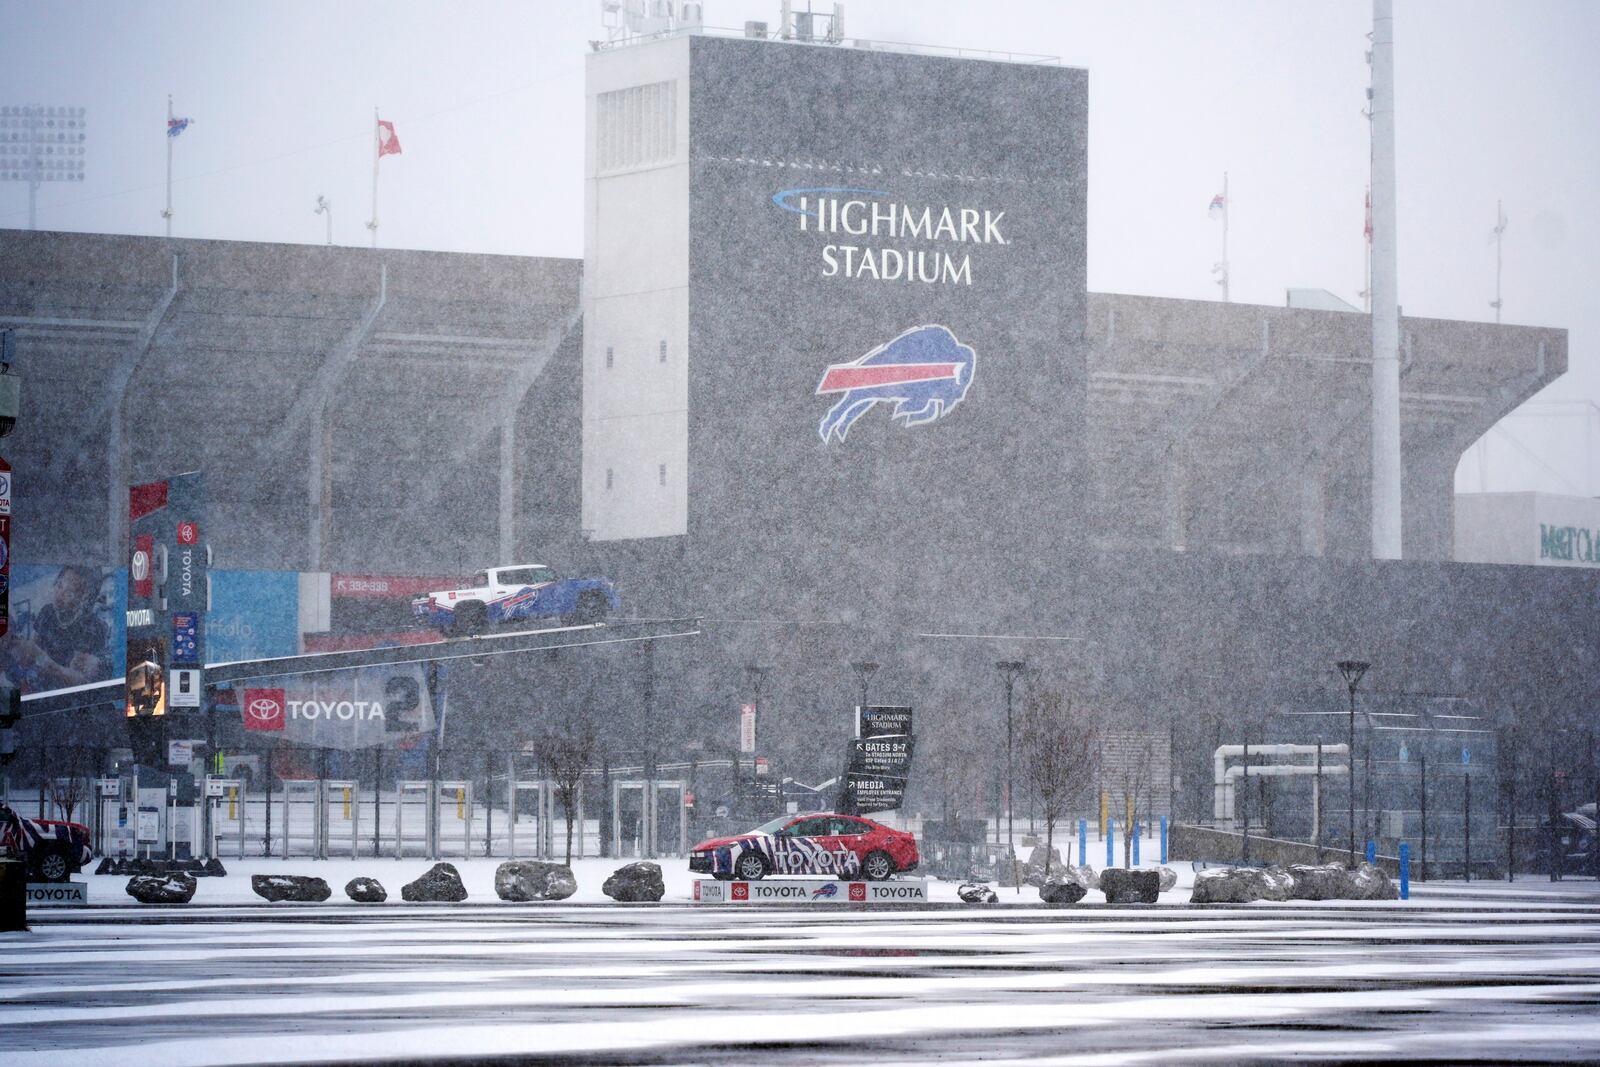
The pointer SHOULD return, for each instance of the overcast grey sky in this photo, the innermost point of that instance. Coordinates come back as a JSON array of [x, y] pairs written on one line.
[[1494, 100]]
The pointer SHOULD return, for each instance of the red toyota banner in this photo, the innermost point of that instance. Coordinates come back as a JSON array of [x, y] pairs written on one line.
[[262, 709], [141, 566]]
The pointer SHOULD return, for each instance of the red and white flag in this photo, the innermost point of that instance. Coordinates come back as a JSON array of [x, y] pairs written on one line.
[[388, 143]]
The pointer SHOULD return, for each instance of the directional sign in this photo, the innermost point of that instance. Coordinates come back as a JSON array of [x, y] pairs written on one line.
[[881, 756], [866, 793]]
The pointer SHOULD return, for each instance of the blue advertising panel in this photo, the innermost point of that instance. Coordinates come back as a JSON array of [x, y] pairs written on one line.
[[254, 615]]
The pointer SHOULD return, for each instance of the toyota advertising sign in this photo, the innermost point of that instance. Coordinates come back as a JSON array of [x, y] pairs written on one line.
[[361, 707], [168, 596]]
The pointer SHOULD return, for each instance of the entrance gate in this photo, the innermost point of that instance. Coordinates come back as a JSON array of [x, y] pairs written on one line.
[[304, 833], [641, 823], [341, 816]]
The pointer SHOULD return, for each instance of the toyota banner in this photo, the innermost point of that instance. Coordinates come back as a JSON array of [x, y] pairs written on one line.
[[362, 707]]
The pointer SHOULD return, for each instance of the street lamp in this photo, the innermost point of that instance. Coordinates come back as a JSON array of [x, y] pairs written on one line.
[[756, 676], [1352, 670], [1009, 669], [864, 672]]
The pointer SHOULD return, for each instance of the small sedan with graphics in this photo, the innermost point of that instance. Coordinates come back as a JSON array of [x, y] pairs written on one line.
[[838, 846]]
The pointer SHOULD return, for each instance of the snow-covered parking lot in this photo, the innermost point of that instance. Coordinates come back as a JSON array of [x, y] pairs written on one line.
[[1484, 972]]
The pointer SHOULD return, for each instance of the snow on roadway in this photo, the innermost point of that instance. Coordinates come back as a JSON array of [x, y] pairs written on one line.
[[1515, 973]]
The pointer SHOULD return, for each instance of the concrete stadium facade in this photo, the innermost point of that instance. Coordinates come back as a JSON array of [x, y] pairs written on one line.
[[1160, 505]]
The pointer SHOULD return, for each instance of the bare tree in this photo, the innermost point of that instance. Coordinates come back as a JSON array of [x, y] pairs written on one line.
[[1133, 779], [948, 753], [565, 752], [1057, 757], [67, 778]]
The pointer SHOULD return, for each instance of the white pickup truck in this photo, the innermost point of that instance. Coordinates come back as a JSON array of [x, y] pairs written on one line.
[[511, 594]]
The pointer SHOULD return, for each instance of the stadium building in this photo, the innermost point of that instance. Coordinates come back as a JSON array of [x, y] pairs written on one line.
[[829, 379]]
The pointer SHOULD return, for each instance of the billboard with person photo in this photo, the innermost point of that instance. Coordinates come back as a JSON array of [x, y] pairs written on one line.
[[66, 627]]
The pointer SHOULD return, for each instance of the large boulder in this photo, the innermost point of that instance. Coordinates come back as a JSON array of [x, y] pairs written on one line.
[[297, 887], [1062, 889], [366, 891], [440, 882], [977, 893], [635, 882], [1122, 886], [1033, 872], [1372, 883], [175, 888], [1241, 885], [1168, 876], [524, 880], [1083, 874], [1327, 881]]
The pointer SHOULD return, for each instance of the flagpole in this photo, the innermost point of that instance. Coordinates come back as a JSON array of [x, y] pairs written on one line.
[[1499, 232], [373, 225], [1366, 257], [1227, 209], [167, 214]]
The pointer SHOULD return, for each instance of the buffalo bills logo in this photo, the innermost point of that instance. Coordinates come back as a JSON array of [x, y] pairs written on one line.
[[924, 373], [829, 890]]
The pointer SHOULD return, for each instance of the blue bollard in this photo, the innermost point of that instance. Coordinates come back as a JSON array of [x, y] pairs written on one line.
[[1372, 852], [1083, 840], [1136, 831], [1111, 839], [1405, 871], [1163, 840]]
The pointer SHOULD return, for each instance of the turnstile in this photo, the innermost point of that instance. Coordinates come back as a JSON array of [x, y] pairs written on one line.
[[225, 808]]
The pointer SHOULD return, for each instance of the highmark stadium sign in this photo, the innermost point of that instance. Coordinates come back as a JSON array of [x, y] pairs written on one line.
[[870, 235]]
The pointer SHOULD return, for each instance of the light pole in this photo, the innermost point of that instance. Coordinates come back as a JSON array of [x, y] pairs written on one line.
[[1009, 669], [756, 676], [325, 207], [1352, 670], [864, 671]]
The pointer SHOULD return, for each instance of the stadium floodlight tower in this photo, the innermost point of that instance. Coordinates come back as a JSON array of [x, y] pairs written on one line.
[[41, 144], [1352, 670]]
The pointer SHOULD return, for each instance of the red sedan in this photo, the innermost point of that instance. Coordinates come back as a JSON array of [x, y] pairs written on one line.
[[839, 846]]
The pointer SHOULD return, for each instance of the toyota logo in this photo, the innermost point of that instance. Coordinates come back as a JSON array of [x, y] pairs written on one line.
[[140, 566], [263, 709]]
